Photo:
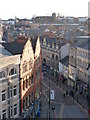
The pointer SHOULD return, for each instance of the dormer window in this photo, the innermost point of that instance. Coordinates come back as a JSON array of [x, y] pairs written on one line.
[[2, 74], [12, 72]]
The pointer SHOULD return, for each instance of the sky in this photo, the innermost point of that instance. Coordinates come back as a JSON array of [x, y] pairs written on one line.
[[29, 8]]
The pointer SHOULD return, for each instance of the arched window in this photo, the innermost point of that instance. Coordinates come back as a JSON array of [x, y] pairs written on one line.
[[12, 72], [2, 74]]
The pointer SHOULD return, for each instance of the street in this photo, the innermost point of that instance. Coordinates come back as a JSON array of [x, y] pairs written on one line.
[[64, 107]]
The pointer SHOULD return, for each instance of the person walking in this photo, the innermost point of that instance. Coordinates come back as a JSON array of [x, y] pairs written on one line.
[[66, 92]]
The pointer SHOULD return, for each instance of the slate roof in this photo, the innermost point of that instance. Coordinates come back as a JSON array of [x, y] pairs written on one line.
[[82, 42], [17, 47], [4, 52], [51, 41], [65, 61], [14, 47]]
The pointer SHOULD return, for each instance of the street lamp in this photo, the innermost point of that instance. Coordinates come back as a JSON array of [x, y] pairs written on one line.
[[49, 99]]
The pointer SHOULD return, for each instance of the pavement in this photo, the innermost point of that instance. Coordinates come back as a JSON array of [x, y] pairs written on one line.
[[64, 108], [81, 99]]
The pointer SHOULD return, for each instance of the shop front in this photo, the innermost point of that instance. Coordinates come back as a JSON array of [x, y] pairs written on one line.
[[82, 87], [71, 82]]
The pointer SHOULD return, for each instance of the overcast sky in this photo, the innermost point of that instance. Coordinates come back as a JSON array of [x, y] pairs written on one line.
[[28, 8]]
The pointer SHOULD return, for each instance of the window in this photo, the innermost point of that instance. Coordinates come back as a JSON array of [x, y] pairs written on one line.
[[4, 114], [15, 90], [24, 66], [52, 56], [2, 74], [32, 79], [29, 98], [11, 92], [12, 72], [32, 96], [23, 85], [15, 109], [26, 83], [56, 57], [29, 81], [11, 110], [36, 62], [3, 95], [24, 103], [30, 64]]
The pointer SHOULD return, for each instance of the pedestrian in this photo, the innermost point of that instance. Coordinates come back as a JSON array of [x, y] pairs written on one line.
[[66, 92]]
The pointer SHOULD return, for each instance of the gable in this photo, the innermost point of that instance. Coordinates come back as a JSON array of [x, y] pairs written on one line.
[[37, 50], [27, 56]]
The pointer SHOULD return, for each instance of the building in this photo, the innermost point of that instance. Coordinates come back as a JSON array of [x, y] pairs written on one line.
[[9, 84], [52, 52], [78, 63], [1, 32], [82, 71], [63, 69], [30, 74]]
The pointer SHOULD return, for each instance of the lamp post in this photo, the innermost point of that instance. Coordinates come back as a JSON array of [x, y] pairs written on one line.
[[49, 99], [49, 94], [88, 89]]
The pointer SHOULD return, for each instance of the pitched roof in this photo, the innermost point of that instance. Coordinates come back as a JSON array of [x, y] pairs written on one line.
[[4, 52], [17, 47], [14, 47], [33, 42], [82, 42], [65, 60]]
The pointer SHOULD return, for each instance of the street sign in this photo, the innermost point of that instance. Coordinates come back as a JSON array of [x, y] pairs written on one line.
[[52, 94]]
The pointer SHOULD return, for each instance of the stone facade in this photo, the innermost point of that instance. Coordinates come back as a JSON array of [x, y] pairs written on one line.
[[9, 87], [52, 52]]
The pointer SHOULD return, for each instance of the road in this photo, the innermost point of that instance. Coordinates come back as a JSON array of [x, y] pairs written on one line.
[[64, 108]]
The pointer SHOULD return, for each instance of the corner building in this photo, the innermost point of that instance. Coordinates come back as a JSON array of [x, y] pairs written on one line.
[[30, 74]]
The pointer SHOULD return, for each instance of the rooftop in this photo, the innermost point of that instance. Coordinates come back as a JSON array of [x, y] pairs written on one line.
[[65, 61]]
